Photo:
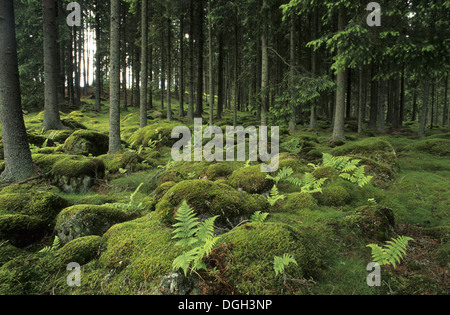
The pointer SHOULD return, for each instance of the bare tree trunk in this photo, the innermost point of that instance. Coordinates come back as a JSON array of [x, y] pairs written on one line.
[[338, 129], [144, 61], [51, 112], [210, 66], [264, 71], [445, 113], [114, 121], [98, 75], [181, 108], [424, 110], [169, 70], [18, 162]]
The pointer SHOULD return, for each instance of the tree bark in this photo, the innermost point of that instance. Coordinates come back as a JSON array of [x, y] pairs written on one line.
[[181, 108], [98, 74], [18, 162], [114, 120], [169, 70], [424, 110], [144, 64], [445, 113], [210, 66], [339, 121], [293, 119], [265, 70], [51, 112], [200, 44]]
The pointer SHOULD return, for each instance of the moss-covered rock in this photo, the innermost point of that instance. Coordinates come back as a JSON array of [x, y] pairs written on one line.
[[77, 173], [251, 180], [84, 220], [42, 205], [377, 149], [438, 147], [21, 230], [142, 249], [208, 198], [299, 200], [170, 176], [254, 246], [9, 252], [373, 223], [158, 132], [218, 170], [85, 142], [127, 160], [336, 194], [81, 250]]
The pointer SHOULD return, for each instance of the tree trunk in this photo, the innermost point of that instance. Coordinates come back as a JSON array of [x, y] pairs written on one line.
[[191, 61], [98, 75], [169, 70], [220, 82], [181, 108], [293, 119], [236, 76], [51, 112], [210, 66], [200, 44], [381, 119], [114, 121], [424, 110], [265, 70], [18, 162], [339, 121], [144, 63], [445, 113]]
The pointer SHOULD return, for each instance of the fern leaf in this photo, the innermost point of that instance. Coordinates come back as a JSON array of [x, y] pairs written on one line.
[[258, 216], [280, 263]]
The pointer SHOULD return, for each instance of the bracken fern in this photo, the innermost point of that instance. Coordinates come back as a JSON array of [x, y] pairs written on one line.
[[392, 253]]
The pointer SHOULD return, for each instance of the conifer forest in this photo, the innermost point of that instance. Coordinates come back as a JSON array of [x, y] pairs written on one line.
[[217, 148]]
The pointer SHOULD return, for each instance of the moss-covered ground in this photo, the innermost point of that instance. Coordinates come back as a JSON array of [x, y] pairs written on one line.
[[326, 232]]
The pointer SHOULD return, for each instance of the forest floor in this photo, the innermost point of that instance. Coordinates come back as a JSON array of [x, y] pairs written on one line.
[[327, 233]]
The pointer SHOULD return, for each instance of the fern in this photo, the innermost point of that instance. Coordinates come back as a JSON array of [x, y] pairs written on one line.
[[197, 238], [284, 173], [274, 196], [348, 169], [309, 184], [55, 246], [258, 216], [280, 263], [390, 254], [132, 206]]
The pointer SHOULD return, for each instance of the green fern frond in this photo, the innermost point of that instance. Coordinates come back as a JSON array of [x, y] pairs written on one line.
[[280, 263], [55, 246], [390, 254], [258, 217], [274, 196]]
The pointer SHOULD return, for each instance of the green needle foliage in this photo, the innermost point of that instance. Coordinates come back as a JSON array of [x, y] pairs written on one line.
[[197, 238], [392, 253]]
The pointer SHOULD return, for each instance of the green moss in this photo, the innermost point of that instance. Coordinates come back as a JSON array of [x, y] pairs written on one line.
[[40, 204], [170, 176], [254, 246], [122, 160], [142, 249], [336, 194], [299, 200], [84, 220], [78, 166], [9, 252], [377, 149], [21, 230], [86, 142], [438, 147], [155, 132], [250, 179], [326, 172], [81, 250], [207, 198], [218, 170]]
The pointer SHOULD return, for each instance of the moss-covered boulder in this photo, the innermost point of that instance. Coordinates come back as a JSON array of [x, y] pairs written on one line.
[[21, 230], [125, 160], [84, 220], [377, 149], [208, 198], [158, 133], [251, 180], [250, 268], [86, 142], [76, 174], [81, 250], [298, 200], [40, 204], [218, 170], [436, 146], [373, 223], [9, 252], [141, 250], [337, 194]]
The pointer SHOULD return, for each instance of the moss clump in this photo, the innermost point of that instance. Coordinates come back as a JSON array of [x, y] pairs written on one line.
[[21, 230], [159, 132], [377, 149], [208, 199], [295, 201], [84, 220], [250, 179], [254, 246], [9, 252], [81, 250], [438, 147], [326, 172], [39, 204], [170, 176], [142, 249], [336, 194], [127, 160], [86, 142], [218, 170], [373, 223]]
